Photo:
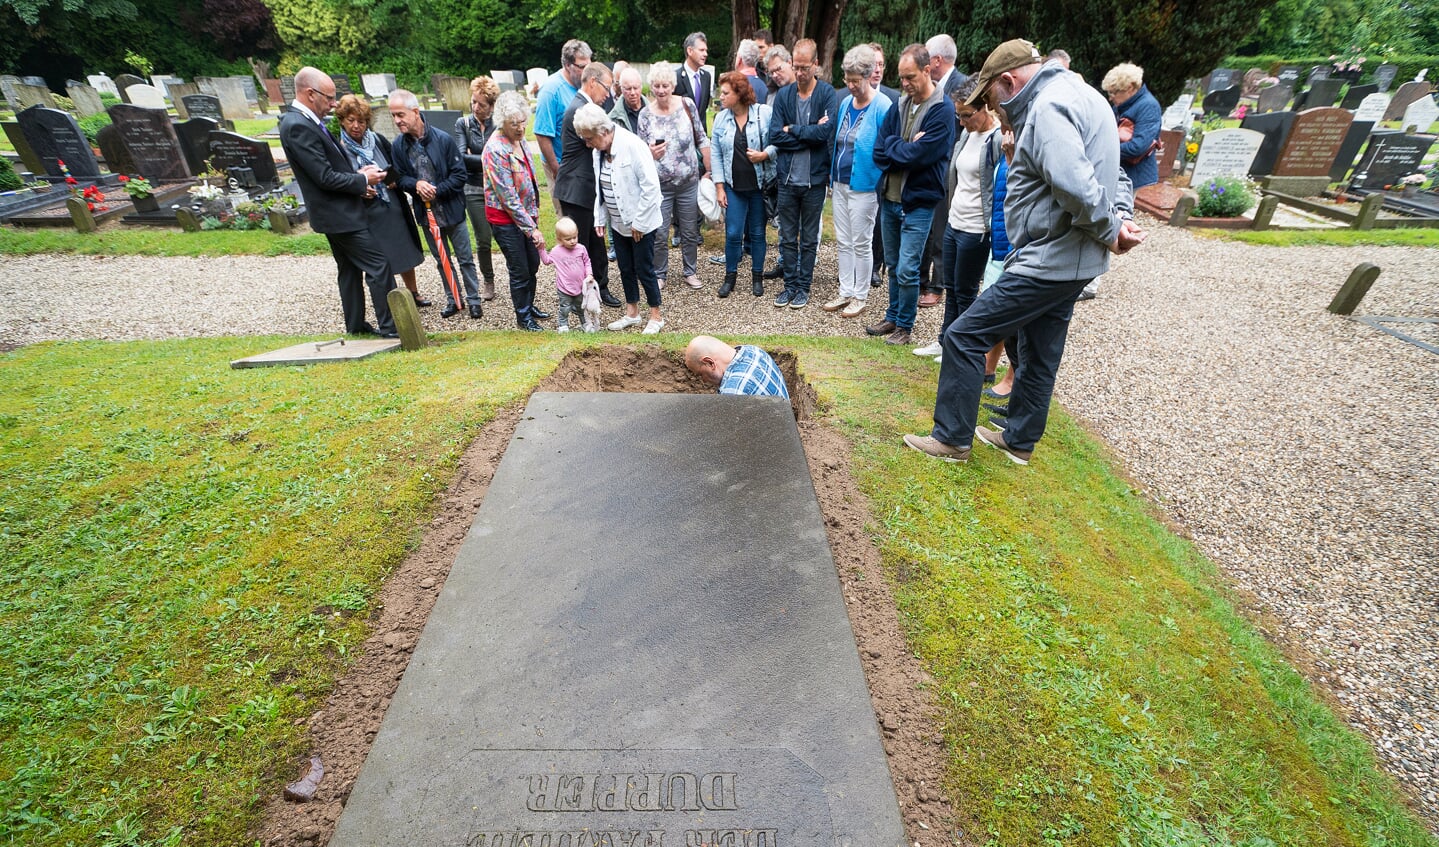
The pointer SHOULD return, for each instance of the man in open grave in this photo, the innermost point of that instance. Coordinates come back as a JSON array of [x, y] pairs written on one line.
[[736, 370]]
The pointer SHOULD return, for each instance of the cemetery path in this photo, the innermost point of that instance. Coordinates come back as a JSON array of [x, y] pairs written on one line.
[[1296, 448]]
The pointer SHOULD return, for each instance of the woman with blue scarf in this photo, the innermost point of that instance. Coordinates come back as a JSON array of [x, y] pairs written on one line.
[[391, 221]]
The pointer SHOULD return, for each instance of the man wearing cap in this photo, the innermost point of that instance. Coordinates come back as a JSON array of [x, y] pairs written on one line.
[[1067, 209]]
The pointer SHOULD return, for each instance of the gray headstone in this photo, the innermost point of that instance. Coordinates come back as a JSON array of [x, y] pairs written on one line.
[[287, 88], [1384, 75], [112, 148], [146, 96], [1317, 73], [203, 106], [229, 150], [124, 81], [1220, 79], [1371, 109], [1275, 127], [1323, 92], [1421, 114], [54, 135], [342, 85], [1313, 142], [7, 87], [163, 82], [1222, 101], [723, 699], [1356, 94], [1224, 152], [1406, 94], [1353, 142], [1180, 114], [34, 95], [1391, 157], [86, 99], [248, 85], [378, 85], [37, 81], [150, 138], [28, 157], [455, 92], [194, 136], [103, 84], [231, 94], [1274, 98], [383, 124], [1289, 75]]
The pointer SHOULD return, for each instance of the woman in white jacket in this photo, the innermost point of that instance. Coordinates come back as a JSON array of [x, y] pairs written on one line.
[[627, 200]]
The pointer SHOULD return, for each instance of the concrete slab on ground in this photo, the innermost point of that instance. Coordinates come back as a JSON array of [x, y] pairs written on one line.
[[315, 352], [642, 643]]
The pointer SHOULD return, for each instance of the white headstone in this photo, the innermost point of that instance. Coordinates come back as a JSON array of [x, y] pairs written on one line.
[[536, 77], [378, 85], [1421, 113], [146, 95], [1179, 115], [103, 84], [1226, 152], [1371, 108], [163, 82]]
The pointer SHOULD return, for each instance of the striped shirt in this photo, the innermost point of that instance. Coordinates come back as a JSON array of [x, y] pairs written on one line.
[[607, 188], [753, 372]]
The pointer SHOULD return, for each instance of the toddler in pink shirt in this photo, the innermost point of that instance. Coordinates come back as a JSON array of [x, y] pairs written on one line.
[[572, 272]]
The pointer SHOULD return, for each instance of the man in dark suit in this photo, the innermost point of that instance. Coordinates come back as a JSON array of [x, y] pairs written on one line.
[[334, 195], [691, 78], [575, 184]]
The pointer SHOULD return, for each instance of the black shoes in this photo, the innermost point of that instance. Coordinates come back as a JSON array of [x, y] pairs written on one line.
[[774, 273], [756, 286], [610, 300], [531, 326], [728, 286], [538, 315], [476, 311], [449, 311], [422, 302], [799, 300]]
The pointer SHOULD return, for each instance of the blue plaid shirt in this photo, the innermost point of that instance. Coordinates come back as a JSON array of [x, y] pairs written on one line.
[[753, 372]]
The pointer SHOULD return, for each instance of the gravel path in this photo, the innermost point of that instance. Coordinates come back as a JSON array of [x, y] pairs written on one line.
[[1298, 448]]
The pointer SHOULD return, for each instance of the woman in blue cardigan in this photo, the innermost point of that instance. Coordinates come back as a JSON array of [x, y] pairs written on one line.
[[854, 176], [1139, 119]]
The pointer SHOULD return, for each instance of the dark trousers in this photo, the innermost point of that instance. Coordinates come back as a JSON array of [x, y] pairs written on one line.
[[964, 258], [1035, 310], [799, 210], [475, 211], [522, 261], [932, 271], [636, 261], [878, 247], [584, 218], [362, 264]]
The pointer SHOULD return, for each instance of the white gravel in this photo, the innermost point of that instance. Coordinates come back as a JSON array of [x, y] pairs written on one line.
[[1298, 448]]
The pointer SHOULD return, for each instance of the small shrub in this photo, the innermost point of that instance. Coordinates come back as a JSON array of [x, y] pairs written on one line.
[[1224, 197], [92, 124], [109, 99], [9, 180]]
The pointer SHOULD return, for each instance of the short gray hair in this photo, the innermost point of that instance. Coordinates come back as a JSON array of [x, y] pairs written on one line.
[[942, 46], [573, 49], [694, 38], [748, 52], [860, 61], [659, 72], [511, 107], [404, 98], [778, 51], [591, 120]]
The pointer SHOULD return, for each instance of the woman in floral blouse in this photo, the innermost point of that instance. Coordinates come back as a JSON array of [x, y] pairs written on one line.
[[512, 204], [672, 128]]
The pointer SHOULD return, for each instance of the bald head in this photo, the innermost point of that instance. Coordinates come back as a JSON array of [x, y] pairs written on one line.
[[707, 357], [315, 90]]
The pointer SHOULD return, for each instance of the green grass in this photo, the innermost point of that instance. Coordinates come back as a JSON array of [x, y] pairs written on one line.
[[1427, 237], [153, 241], [190, 552]]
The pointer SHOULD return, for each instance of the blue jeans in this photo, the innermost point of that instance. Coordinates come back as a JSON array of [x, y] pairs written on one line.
[[799, 210], [636, 260], [963, 259], [458, 238], [523, 262], [743, 226], [1039, 312], [905, 234]]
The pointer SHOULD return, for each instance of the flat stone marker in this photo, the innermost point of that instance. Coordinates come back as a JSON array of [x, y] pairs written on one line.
[[316, 352], [642, 643]]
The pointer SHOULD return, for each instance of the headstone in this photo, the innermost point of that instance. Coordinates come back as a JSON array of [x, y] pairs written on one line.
[[112, 148], [163, 82], [1356, 94], [7, 86], [537, 77], [1221, 101], [1275, 127], [504, 80], [1406, 94], [103, 84], [342, 85], [124, 81], [37, 81], [150, 137], [287, 89], [28, 157], [383, 124], [1384, 75], [34, 95], [1353, 142], [273, 93], [1171, 140], [146, 96], [455, 92], [1250, 85], [194, 136], [1289, 75], [378, 85], [234, 104], [731, 707], [204, 106], [1371, 109], [1220, 79], [228, 150], [1226, 152], [178, 92], [1421, 114], [1323, 92], [1180, 114], [1274, 98], [54, 135], [1317, 73], [86, 99], [1312, 143], [248, 85], [1391, 157], [442, 119]]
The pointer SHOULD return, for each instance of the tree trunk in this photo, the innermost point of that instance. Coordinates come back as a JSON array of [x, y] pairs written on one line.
[[824, 29], [796, 13], [744, 20]]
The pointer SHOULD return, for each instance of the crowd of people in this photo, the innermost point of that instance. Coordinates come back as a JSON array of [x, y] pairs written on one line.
[[1016, 182]]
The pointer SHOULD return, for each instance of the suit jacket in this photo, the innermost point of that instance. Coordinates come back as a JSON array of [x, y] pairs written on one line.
[[952, 84], [684, 88], [575, 183], [334, 193]]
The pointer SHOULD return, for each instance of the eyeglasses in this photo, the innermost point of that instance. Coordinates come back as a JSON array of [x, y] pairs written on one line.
[[805, 68], [329, 97]]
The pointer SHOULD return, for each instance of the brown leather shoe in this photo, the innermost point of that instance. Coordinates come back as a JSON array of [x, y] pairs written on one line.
[[928, 299], [899, 336], [881, 328]]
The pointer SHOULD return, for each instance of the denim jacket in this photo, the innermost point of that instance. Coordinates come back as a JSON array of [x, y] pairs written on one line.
[[756, 137]]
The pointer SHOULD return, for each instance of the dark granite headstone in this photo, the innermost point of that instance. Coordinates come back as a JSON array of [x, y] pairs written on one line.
[[287, 89], [1353, 142], [1406, 94], [1313, 142], [1384, 76], [1391, 156], [1220, 79], [442, 119], [178, 92], [1323, 92], [342, 85], [204, 106], [228, 150], [54, 135], [124, 81], [1356, 94], [1274, 98], [150, 137], [1289, 75], [194, 136], [1221, 101], [28, 157], [691, 681], [1275, 127], [1317, 73], [112, 148]]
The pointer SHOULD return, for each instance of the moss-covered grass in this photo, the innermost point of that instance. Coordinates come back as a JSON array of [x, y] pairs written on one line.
[[1426, 237], [188, 554]]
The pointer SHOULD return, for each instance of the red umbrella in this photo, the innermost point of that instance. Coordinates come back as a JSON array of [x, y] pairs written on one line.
[[440, 253]]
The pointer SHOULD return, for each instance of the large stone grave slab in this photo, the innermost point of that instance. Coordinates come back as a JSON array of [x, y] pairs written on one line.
[[1356, 94], [273, 93], [1354, 139], [1384, 75], [1179, 115], [229, 150], [1309, 151], [455, 92], [150, 138], [611, 664], [234, 104], [1420, 115], [1289, 75], [378, 85], [1391, 157], [103, 84], [383, 123], [54, 136], [441, 119], [287, 88], [204, 106], [124, 81], [319, 352], [178, 91], [342, 84], [86, 99], [28, 157], [1274, 98], [1226, 152], [247, 84], [194, 136], [1275, 127], [163, 82], [34, 95], [7, 88], [1171, 142], [1323, 92], [1371, 109], [1407, 93], [1220, 79], [146, 96], [1222, 102], [112, 149]]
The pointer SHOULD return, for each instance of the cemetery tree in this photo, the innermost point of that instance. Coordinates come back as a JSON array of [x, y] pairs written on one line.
[[239, 27]]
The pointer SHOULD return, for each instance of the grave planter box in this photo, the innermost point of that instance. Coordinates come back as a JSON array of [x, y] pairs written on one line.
[[148, 203]]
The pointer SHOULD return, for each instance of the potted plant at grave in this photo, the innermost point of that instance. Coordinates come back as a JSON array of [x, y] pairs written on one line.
[[1224, 197], [207, 199], [142, 194], [1408, 186]]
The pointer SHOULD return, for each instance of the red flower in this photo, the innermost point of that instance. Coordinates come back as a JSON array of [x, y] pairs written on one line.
[[91, 205], [124, 179], [70, 180]]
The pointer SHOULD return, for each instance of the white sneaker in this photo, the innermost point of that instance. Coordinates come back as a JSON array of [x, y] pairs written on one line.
[[853, 309], [929, 350], [626, 322], [564, 328], [653, 328], [939, 358]]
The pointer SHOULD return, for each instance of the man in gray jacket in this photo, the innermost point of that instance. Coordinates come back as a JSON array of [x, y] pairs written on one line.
[[1067, 209]]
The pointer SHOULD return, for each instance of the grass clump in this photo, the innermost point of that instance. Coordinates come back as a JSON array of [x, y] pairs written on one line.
[[148, 241], [1409, 237]]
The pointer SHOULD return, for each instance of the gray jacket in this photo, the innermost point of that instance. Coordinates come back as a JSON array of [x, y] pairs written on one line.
[[994, 149], [1066, 192]]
